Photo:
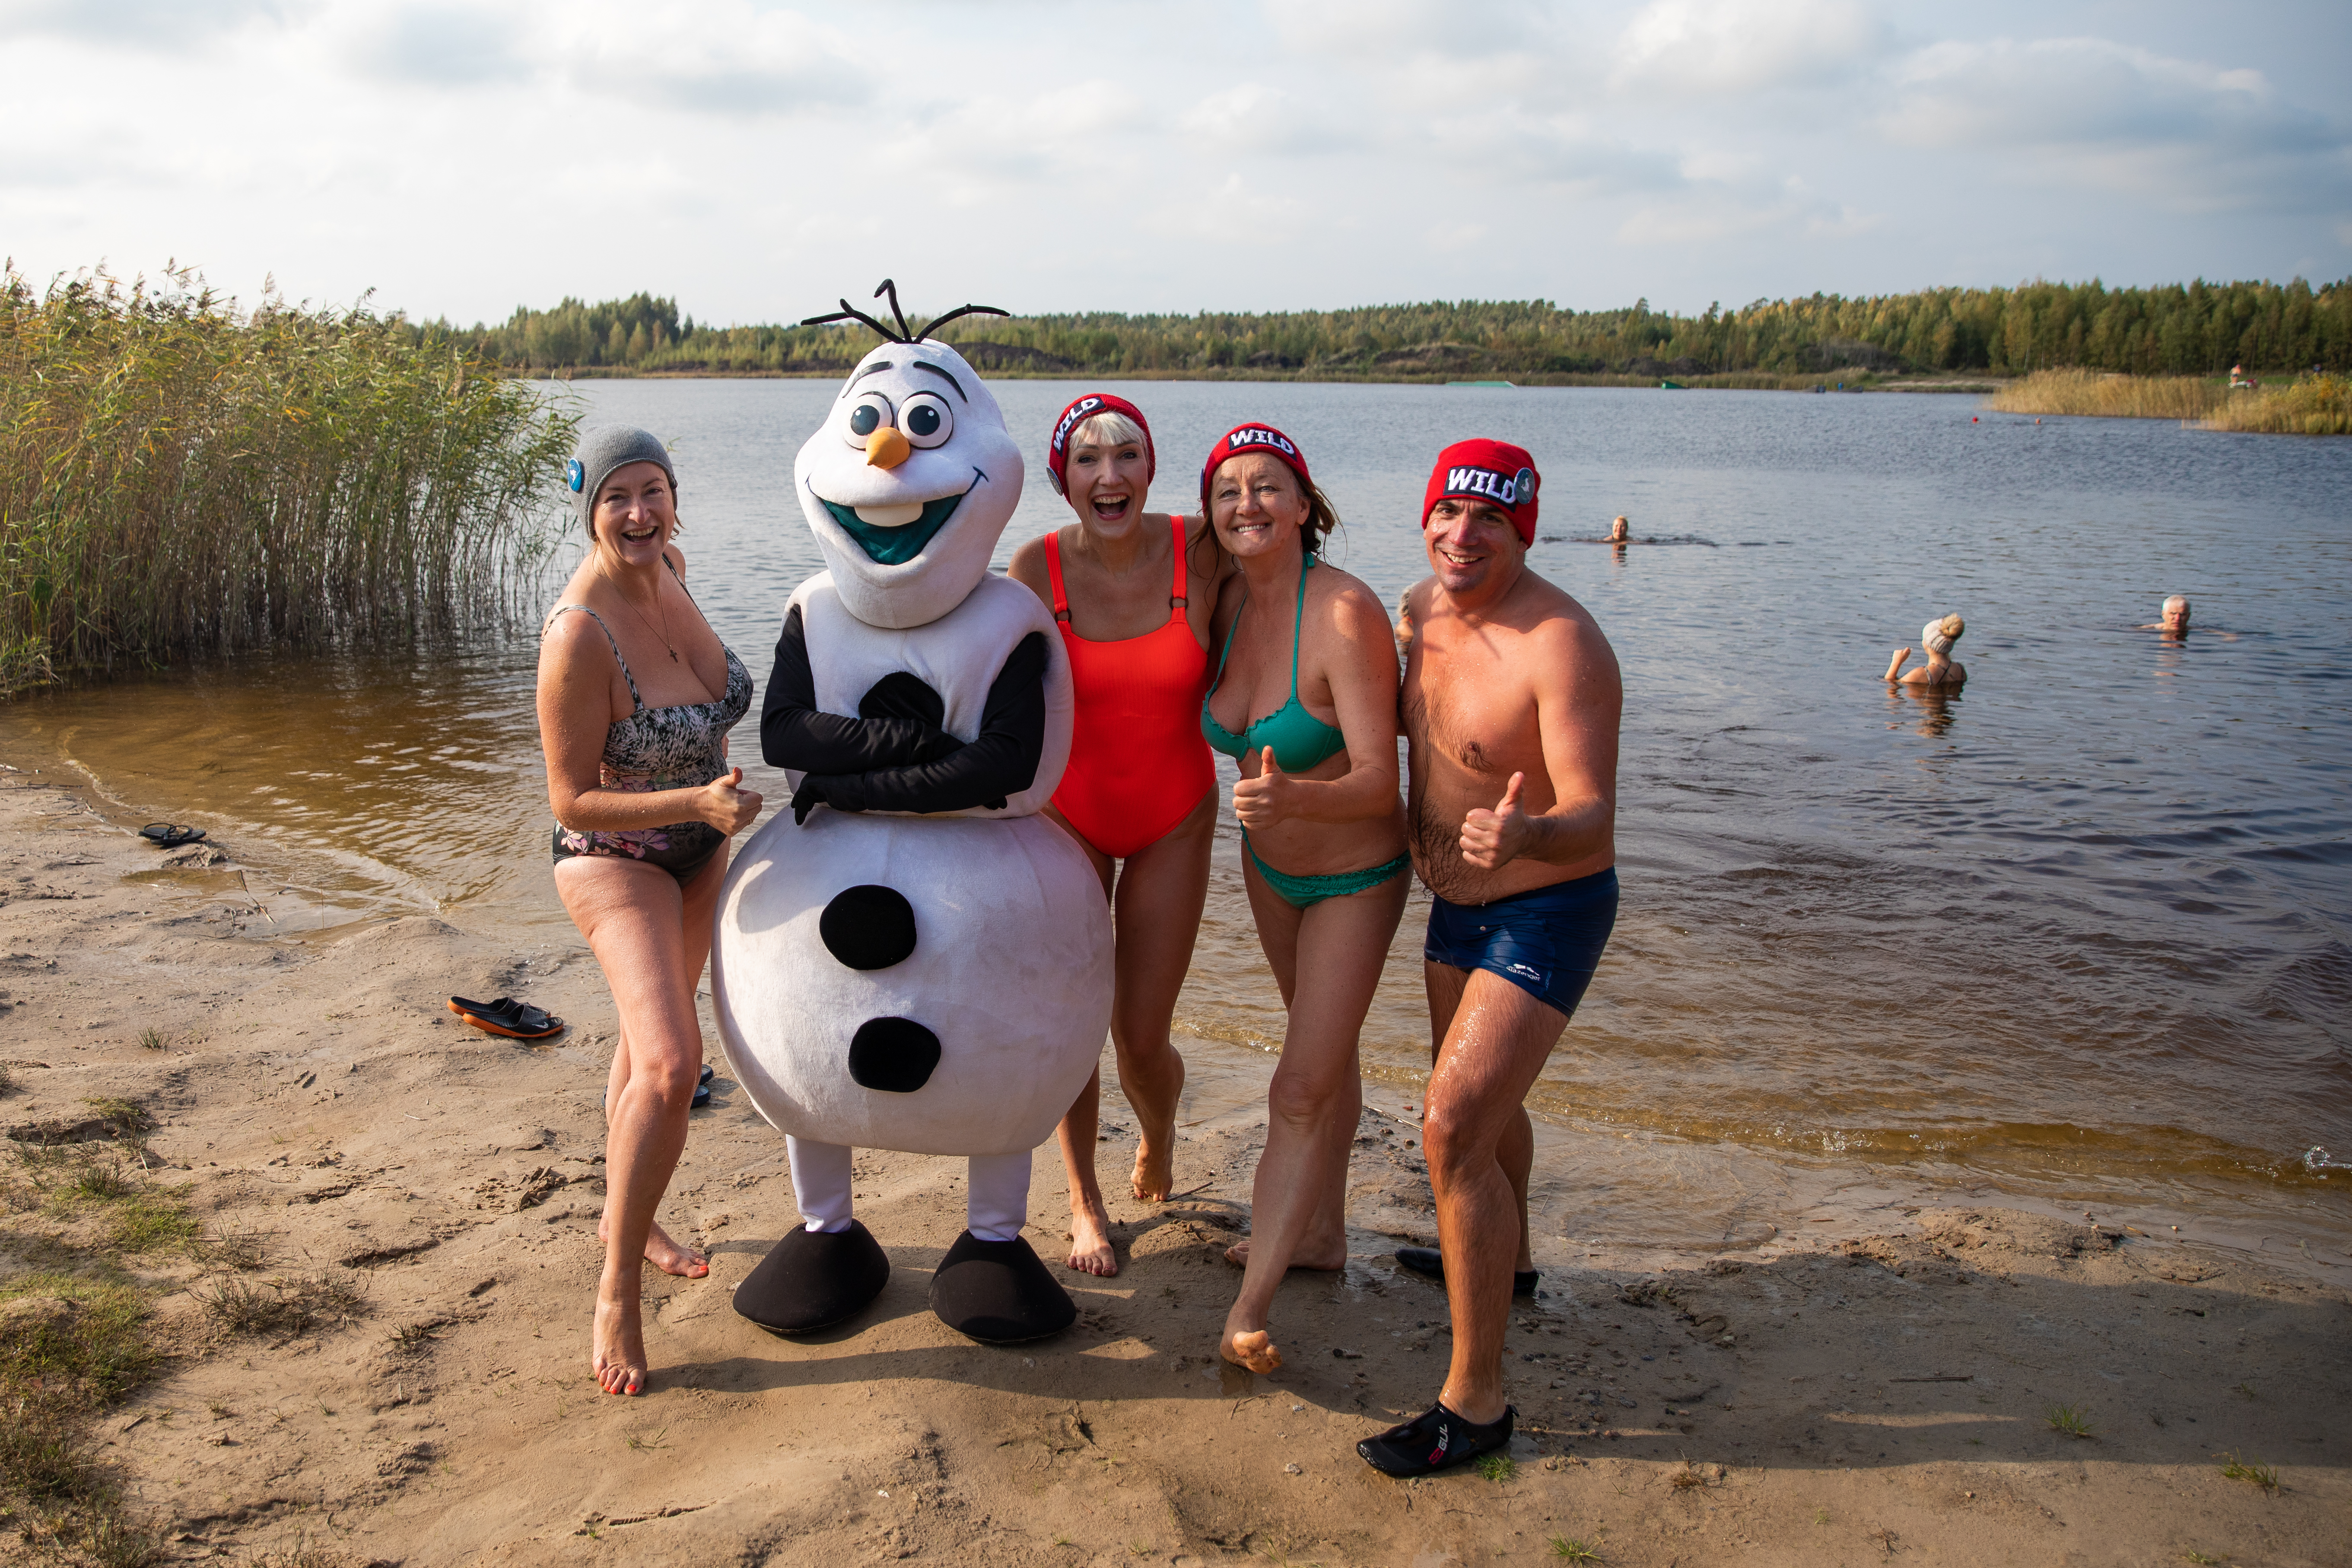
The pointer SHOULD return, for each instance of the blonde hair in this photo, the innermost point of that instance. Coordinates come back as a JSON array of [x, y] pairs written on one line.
[[1938, 635], [1108, 429]]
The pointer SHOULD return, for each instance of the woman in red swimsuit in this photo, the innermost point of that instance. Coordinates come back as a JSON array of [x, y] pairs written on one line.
[[1132, 594]]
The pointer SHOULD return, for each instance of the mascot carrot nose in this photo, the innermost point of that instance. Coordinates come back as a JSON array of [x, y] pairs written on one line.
[[886, 449]]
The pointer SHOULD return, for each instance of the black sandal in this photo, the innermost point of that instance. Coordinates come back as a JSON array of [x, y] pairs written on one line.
[[515, 1020], [170, 835], [1430, 1261], [1438, 1440]]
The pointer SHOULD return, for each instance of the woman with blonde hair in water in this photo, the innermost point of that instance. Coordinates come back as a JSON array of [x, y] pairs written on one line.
[[1936, 638], [636, 694], [1304, 698], [1132, 594]]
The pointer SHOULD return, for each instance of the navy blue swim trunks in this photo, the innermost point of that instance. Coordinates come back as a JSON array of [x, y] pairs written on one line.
[[1545, 942]]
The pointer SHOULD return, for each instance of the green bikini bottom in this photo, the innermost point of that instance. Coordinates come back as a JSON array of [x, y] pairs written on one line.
[[1304, 892]]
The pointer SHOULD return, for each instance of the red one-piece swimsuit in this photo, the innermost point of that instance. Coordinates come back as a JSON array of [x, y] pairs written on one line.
[[1138, 764]]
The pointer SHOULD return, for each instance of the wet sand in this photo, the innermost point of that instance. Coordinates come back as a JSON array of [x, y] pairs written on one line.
[[1842, 1397]]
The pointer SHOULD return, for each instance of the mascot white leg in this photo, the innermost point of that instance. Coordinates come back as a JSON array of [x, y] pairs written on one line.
[[821, 1177], [913, 958]]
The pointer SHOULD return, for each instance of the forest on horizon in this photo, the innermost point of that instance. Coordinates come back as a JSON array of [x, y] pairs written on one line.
[[2195, 329]]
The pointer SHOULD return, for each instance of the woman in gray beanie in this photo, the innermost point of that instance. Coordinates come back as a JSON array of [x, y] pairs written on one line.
[[636, 694], [1935, 639]]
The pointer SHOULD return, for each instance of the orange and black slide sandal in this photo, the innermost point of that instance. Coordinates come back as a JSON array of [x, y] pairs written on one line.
[[515, 1020]]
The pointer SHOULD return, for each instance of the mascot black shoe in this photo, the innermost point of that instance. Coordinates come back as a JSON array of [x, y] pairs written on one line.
[[998, 1292], [813, 1280]]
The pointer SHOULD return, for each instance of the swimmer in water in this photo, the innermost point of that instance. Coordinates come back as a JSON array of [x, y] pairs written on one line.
[[1936, 638], [2173, 618], [1621, 531]]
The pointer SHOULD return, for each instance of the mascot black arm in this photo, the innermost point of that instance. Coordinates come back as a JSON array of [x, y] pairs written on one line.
[[796, 733], [1001, 760]]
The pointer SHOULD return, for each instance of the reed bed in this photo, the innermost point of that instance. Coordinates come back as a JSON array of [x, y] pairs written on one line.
[[2312, 406], [2116, 397], [178, 480], [2316, 405]]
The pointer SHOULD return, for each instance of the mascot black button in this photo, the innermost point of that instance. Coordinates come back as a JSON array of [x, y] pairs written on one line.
[[895, 1055], [869, 927]]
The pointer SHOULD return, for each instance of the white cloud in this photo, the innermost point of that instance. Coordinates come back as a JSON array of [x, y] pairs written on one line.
[[1387, 29], [979, 148], [720, 57], [2075, 92], [705, 56], [1254, 118], [134, 24], [2094, 112], [452, 45], [757, 157], [1695, 48], [1508, 145]]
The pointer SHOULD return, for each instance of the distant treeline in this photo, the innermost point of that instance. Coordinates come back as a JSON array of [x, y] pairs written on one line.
[[2198, 329]]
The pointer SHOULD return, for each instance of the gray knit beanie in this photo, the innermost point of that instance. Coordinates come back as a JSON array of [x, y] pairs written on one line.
[[601, 449]]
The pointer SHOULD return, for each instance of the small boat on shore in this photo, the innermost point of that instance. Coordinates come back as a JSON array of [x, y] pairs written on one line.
[[1671, 386], [1481, 383]]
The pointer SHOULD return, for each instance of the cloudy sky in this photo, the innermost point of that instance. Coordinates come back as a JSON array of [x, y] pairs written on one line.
[[756, 159]]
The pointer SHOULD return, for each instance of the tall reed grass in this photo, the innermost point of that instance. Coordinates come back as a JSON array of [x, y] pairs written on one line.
[[2316, 405], [180, 479], [2312, 406], [2120, 396]]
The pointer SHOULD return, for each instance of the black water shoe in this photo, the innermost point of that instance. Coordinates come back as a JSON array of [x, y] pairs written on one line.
[[999, 1293], [813, 1280], [1439, 1440], [1430, 1261]]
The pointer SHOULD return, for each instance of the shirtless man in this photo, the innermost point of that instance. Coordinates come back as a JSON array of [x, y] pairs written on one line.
[[1510, 705]]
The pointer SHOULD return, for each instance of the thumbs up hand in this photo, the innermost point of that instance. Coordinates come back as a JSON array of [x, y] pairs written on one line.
[[725, 805], [1269, 798], [1493, 839]]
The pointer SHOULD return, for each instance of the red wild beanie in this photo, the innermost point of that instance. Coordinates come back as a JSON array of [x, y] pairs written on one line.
[[1057, 447], [1243, 438], [1496, 472]]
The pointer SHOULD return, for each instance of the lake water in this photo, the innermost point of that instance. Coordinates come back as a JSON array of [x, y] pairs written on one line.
[[2076, 938]]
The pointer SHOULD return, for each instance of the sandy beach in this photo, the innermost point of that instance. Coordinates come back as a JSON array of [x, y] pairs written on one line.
[[433, 1192]]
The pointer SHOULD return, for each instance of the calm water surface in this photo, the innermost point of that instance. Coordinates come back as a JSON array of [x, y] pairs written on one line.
[[2078, 936]]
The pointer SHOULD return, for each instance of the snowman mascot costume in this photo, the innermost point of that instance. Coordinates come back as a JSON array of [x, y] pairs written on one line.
[[913, 958]]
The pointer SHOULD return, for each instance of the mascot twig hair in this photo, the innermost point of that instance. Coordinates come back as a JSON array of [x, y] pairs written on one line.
[[849, 312]]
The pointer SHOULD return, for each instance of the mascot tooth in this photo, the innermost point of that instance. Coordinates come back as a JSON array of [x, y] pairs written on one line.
[[912, 958]]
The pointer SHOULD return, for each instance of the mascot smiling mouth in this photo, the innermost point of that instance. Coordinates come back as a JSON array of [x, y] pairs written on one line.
[[896, 546]]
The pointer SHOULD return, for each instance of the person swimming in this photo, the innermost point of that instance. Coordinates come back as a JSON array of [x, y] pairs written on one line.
[[1936, 640], [1621, 531], [2172, 617]]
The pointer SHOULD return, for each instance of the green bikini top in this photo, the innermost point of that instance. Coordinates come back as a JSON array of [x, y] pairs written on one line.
[[1300, 741]]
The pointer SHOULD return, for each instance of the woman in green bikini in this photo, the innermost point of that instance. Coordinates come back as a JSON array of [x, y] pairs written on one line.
[[1323, 851]]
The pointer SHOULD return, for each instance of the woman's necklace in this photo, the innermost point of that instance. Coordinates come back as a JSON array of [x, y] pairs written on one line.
[[662, 632]]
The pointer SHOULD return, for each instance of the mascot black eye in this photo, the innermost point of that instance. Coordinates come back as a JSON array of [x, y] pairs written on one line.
[[926, 420], [866, 415]]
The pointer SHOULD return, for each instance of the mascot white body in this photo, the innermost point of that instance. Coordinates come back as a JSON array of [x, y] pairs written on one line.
[[912, 958]]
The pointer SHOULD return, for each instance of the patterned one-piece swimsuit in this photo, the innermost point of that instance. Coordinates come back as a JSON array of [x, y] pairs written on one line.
[[678, 747]]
